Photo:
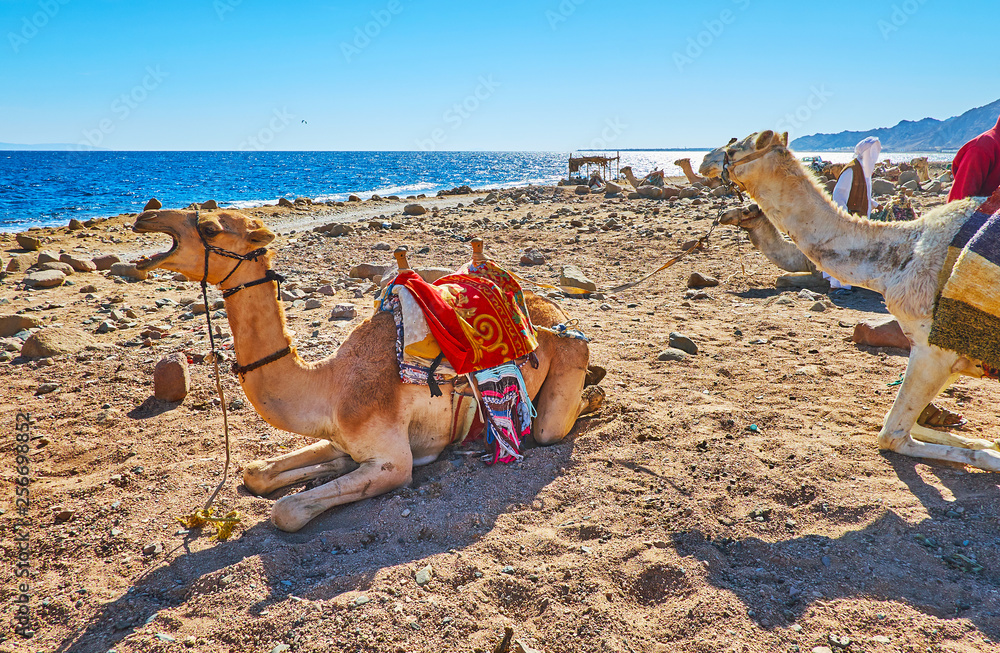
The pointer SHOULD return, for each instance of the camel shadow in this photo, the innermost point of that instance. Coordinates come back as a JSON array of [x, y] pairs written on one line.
[[450, 504], [152, 407], [946, 565]]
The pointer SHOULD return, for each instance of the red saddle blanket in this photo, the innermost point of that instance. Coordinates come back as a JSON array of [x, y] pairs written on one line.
[[477, 315]]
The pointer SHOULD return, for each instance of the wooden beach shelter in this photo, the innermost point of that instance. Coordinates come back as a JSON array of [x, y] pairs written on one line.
[[602, 162]]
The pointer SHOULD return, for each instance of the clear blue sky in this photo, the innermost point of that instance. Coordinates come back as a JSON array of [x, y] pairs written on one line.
[[550, 74]]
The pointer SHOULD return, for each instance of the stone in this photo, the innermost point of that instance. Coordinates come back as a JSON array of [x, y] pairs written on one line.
[[688, 192], [672, 355], [57, 265], [682, 342], [152, 205], [613, 189], [128, 271], [818, 307], [284, 201], [335, 229], [582, 190], [55, 341], [880, 332], [382, 247], [369, 271], [908, 176], [353, 198], [803, 280], [152, 549], [44, 279], [63, 516], [423, 576], [11, 324], [20, 262], [75, 225], [822, 649], [313, 303], [720, 191], [89, 288], [934, 187], [883, 187], [326, 290], [105, 261], [30, 243], [573, 277], [78, 264], [344, 312], [171, 378], [46, 388], [699, 280], [911, 185], [210, 205], [532, 256], [429, 274], [414, 209], [47, 257]]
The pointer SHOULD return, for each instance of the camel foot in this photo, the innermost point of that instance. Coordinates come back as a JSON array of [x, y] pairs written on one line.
[[933, 436], [595, 374], [592, 399], [260, 478]]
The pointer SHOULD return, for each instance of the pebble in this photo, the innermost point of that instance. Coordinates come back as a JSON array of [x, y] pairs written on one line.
[[682, 342], [165, 637], [818, 307], [46, 388], [881, 639], [171, 378], [405, 513], [424, 575], [344, 312], [699, 280], [313, 303], [152, 549], [382, 247], [532, 256], [361, 600], [784, 300], [672, 355], [822, 649]]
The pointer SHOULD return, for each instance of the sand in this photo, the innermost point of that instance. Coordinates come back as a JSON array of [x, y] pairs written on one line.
[[732, 501]]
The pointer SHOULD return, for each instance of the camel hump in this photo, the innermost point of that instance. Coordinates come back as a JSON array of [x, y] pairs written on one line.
[[400, 255], [477, 250]]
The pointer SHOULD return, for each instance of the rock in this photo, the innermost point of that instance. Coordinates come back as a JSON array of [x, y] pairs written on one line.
[[672, 355], [634, 195], [582, 190], [803, 280], [57, 265], [105, 261], [353, 198], [106, 326], [47, 257], [430, 275], [424, 575], [881, 639], [20, 262], [78, 264], [326, 290], [335, 229], [682, 342], [698, 280], [152, 205], [313, 303], [613, 189], [376, 198], [55, 341], [908, 176], [818, 307], [46, 388], [880, 332], [688, 192], [128, 271], [75, 225], [934, 187], [63, 516], [89, 288], [284, 201], [822, 649], [44, 279], [369, 271], [210, 205], [883, 187], [573, 277], [152, 549], [910, 185], [171, 378], [719, 191], [343, 312], [30, 243], [414, 209], [532, 256], [382, 246], [11, 324]]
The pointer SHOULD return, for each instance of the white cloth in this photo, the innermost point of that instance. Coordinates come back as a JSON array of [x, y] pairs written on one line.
[[866, 152]]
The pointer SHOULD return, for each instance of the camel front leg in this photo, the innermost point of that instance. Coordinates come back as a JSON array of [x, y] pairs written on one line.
[[262, 477], [933, 436], [373, 477], [929, 371], [561, 400]]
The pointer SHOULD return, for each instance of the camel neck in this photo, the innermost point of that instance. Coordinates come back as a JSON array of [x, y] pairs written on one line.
[[257, 321], [855, 251]]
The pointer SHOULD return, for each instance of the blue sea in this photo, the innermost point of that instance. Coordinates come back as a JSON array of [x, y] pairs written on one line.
[[49, 188]]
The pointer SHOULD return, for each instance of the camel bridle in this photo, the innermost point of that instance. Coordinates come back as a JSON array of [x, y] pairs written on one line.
[[728, 164]]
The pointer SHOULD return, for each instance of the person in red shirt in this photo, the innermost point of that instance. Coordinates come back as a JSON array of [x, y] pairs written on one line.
[[977, 166]]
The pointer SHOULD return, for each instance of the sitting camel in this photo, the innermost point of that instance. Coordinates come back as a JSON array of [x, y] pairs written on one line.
[[923, 168], [901, 260], [695, 178], [373, 429], [653, 186]]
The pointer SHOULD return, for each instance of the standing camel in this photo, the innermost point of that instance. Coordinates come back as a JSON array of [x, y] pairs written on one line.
[[372, 428], [902, 260]]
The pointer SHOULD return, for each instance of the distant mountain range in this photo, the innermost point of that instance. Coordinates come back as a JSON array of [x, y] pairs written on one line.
[[927, 135], [59, 147]]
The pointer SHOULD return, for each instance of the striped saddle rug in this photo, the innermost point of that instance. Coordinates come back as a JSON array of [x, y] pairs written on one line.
[[967, 312]]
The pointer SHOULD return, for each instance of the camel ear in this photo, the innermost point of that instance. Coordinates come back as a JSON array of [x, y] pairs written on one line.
[[261, 236], [784, 139], [764, 139]]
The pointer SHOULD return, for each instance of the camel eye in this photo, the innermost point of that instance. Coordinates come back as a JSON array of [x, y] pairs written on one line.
[[211, 230]]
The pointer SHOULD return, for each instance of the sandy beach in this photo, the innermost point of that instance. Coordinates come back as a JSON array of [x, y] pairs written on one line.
[[734, 500]]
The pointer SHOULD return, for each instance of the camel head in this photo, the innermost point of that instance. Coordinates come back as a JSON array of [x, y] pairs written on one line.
[[228, 230], [713, 162], [746, 217]]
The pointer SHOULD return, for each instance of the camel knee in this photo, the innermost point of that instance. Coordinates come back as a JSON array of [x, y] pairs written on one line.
[[892, 440], [256, 478]]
